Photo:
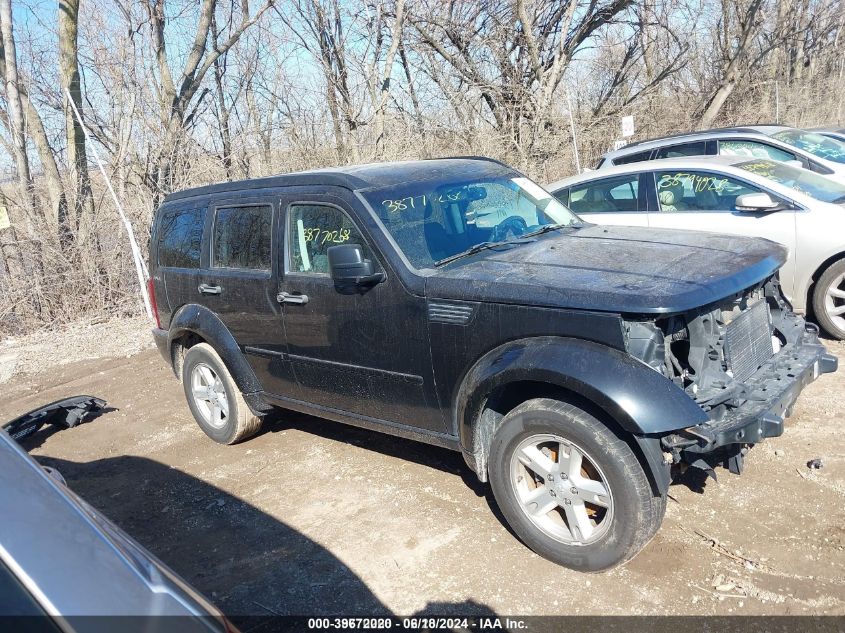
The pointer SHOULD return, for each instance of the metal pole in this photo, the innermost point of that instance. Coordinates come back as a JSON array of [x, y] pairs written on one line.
[[140, 267], [572, 127]]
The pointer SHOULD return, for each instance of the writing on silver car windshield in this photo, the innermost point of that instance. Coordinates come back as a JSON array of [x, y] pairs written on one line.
[[802, 180], [434, 221]]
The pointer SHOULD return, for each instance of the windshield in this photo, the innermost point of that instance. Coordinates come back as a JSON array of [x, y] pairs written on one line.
[[816, 144], [433, 220], [802, 180]]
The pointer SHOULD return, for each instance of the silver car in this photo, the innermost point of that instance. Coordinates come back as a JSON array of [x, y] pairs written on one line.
[[810, 150], [833, 131], [62, 561], [738, 195]]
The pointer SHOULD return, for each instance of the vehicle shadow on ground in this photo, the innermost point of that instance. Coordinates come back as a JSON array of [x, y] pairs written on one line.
[[442, 459], [245, 561]]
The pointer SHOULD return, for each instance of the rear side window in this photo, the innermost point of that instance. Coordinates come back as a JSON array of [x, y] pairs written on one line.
[[180, 237], [242, 237], [609, 195], [632, 158], [685, 149]]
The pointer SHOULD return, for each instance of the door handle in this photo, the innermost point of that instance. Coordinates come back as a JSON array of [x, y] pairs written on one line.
[[206, 289], [286, 297]]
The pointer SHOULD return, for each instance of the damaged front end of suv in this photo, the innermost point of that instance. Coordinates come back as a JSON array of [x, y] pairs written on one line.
[[743, 360]]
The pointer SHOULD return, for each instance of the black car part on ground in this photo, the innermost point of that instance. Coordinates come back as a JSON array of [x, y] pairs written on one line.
[[65, 413]]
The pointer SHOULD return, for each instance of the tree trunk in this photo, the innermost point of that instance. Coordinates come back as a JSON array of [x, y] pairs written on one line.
[[17, 125], [83, 208], [222, 110], [714, 107], [734, 70]]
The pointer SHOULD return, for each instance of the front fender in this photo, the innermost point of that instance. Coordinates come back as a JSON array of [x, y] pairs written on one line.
[[639, 399], [204, 323]]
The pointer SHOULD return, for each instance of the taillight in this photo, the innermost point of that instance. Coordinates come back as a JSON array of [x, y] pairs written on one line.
[[151, 291]]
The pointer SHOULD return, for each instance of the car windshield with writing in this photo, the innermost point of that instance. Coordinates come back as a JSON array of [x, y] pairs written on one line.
[[435, 220], [817, 144], [807, 182]]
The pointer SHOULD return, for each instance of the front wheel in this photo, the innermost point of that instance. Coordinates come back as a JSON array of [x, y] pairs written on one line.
[[829, 300], [572, 490]]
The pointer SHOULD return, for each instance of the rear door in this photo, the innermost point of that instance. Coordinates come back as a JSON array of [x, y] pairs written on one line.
[[239, 283], [700, 200], [614, 200], [178, 240]]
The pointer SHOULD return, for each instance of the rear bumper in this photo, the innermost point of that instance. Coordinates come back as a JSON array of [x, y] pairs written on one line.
[[769, 397], [161, 340]]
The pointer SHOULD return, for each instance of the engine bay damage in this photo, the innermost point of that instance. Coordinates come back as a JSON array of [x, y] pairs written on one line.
[[743, 360]]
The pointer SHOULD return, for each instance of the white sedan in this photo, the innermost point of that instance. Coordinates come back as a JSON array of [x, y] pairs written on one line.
[[731, 194]]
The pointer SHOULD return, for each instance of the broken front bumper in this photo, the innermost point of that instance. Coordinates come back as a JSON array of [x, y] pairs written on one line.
[[768, 398]]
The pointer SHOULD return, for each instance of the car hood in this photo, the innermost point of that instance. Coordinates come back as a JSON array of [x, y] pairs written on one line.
[[612, 269]]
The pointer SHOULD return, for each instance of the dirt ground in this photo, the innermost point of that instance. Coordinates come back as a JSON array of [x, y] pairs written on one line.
[[312, 517]]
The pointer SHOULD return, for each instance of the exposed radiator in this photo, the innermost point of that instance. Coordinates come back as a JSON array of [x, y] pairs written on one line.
[[748, 341]]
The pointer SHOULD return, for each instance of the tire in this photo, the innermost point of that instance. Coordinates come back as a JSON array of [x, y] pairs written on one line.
[[825, 303], [619, 523], [232, 420]]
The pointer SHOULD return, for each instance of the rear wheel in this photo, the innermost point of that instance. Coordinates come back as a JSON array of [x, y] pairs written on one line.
[[214, 398], [829, 300], [572, 490]]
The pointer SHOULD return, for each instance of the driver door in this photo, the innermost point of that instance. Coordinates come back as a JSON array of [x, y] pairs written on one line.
[[365, 353]]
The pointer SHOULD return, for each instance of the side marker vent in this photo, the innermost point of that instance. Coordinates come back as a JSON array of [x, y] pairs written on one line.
[[454, 313]]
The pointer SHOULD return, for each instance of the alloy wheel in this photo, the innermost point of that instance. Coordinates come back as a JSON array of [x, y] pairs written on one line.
[[834, 301], [209, 395], [561, 489]]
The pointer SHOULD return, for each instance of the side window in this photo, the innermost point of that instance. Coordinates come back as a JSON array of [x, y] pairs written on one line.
[[698, 191], [312, 230], [699, 148], [753, 149], [609, 195], [242, 237], [819, 169], [562, 196], [632, 158], [180, 237]]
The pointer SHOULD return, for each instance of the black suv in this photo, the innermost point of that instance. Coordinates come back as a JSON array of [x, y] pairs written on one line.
[[457, 303]]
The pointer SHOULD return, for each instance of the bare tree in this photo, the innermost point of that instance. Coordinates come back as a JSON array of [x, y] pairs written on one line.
[[513, 54], [739, 24], [177, 96], [17, 127], [379, 78], [69, 73]]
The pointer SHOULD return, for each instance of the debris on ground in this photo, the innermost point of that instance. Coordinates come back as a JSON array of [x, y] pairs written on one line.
[[815, 464], [36, 353]]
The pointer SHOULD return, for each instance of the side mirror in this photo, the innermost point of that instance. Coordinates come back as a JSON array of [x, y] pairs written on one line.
[[756, 202], [348, 267]]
